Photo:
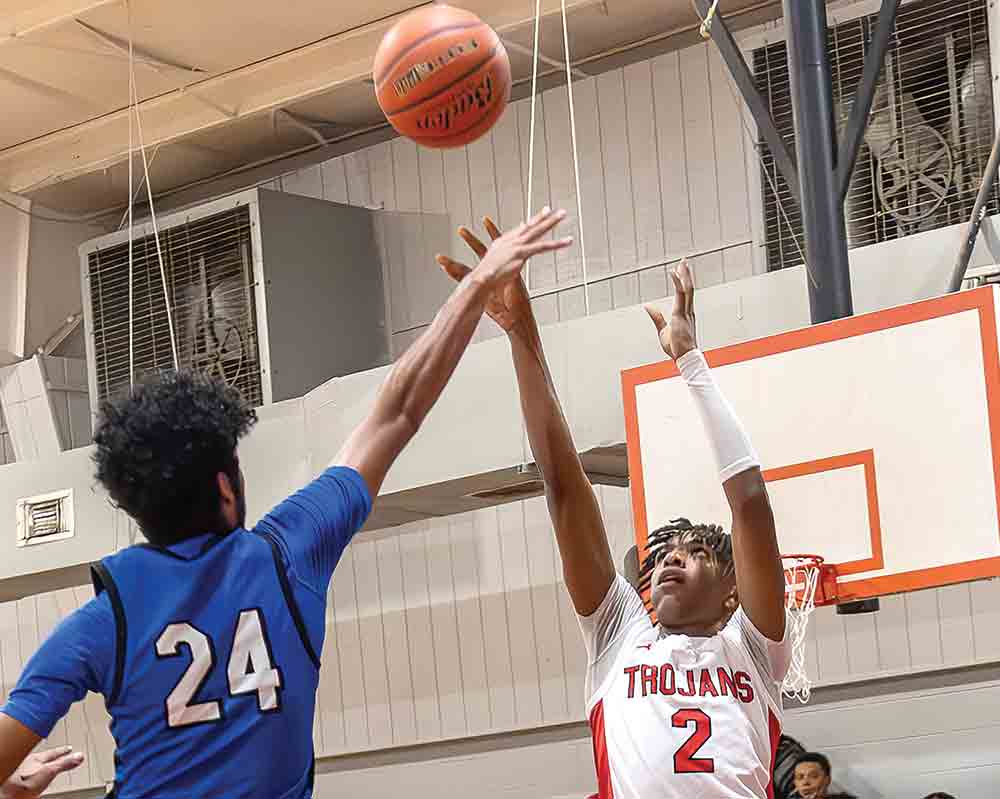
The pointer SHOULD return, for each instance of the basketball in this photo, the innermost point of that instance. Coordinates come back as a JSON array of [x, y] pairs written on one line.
[[442, 76]]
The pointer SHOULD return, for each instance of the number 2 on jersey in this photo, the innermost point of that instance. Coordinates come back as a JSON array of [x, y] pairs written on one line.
[[250, 669], [685, 761]]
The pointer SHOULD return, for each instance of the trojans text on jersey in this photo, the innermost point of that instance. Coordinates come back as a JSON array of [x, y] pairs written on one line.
[[648, 680]]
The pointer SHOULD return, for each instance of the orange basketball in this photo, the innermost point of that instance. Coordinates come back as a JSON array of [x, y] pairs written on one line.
[[442, 76]]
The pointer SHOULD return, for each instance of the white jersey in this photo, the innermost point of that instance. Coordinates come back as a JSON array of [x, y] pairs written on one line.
[[678, 716]]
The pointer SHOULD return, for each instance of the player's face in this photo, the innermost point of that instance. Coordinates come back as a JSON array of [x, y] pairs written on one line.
[[688, 591], [811, 781]]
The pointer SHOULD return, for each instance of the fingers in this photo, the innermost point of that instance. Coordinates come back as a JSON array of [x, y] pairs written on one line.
[[687, 277], [67, 762], [657, 316], [687, 280], [539, 227], [453, 268], [546, 245], [474, 243], [49, 755], [491, 228], [43, 777]]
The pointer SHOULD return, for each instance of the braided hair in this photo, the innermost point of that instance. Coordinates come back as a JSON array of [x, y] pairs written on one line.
[[681, 532]]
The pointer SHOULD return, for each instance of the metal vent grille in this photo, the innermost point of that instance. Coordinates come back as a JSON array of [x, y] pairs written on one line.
[[48, 517], [208, 264], [928, 138]]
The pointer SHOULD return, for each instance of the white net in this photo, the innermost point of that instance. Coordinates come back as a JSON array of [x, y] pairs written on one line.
[[802, 576]]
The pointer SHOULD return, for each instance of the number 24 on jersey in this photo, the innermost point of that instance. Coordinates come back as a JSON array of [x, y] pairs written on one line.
[[250, 669]]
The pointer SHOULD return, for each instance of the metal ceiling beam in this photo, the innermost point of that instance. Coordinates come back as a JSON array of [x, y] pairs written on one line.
[[976, 218], [861, 110], [253, 90], [741, 74]]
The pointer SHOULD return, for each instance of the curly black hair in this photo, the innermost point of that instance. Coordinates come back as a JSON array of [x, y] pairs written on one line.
[[160, 447], [681, 532]]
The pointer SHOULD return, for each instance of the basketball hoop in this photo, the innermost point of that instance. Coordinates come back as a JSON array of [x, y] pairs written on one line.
[[808, 581]]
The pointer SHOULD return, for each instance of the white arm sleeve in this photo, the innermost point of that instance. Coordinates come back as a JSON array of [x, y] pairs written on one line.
[[733, 451], [617, 620]]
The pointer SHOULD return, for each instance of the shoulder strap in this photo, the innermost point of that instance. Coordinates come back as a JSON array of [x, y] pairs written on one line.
[[293, 606], [103, 581]]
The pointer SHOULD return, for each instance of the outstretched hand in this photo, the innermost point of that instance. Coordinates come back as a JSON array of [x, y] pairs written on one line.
[[509, 303], [37, 772], [678, 336]]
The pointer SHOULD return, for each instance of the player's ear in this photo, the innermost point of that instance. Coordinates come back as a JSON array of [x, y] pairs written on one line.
[[732, 601], [228, 497], [227, 491]]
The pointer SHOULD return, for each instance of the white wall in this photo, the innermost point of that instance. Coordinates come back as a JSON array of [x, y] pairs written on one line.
[[53, 291], [667, 169], [14, 230], [461, 627], [890, 744]]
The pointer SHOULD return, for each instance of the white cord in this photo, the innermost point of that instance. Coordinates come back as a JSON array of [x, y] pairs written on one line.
[[531, 135], [576, 156], [152, 212], [131, 199]]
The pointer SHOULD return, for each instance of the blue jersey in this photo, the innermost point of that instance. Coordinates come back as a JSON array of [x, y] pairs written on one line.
[[214, 659]]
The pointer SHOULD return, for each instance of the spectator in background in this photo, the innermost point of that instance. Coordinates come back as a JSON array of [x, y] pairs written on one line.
[[813, 776], [785, 758]]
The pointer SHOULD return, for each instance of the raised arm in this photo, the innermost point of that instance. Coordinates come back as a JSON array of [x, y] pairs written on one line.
[[420, 375], [583, 544], [759, 579]]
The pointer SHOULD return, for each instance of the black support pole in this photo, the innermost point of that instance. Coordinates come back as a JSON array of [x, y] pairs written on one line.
[[976, 218], [738, 68], [862, 108], [815, 135]]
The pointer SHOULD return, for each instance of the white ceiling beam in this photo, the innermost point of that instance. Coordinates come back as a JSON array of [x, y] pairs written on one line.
[[577, 73], [121, 48], [44, 15], [254, 89], [46, 89]]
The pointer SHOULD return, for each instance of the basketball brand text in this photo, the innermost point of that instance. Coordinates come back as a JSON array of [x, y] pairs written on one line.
[[649, 680], [418, 72], [473, 95]]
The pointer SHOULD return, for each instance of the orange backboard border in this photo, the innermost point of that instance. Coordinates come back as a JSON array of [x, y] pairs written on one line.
[[980, 300]]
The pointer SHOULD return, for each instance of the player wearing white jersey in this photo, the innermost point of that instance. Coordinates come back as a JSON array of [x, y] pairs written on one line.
[[689, 706]]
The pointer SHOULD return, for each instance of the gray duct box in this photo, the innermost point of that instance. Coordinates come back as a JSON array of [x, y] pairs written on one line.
[[272, 292]]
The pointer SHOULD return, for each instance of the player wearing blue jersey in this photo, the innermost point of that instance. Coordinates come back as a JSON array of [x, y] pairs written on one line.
[[205, 642]]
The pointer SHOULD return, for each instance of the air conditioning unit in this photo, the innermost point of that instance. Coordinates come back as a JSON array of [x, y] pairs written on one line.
[[273, 293], [930, 130]]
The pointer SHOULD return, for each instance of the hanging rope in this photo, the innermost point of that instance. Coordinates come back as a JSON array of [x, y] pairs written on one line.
[[134, 108], [576, 158], [131, 199], [529, 210], [572, 126]]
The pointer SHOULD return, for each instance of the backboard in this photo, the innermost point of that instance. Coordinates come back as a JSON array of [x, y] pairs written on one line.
[[879, 437]]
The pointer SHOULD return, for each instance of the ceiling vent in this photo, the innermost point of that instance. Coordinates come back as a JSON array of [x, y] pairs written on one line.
[[45, 518]]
